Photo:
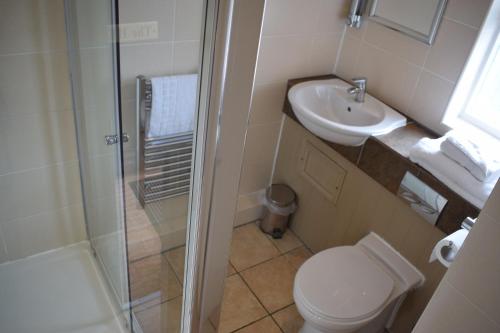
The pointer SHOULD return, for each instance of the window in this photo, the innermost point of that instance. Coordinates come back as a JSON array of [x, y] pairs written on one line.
[[475, 104]]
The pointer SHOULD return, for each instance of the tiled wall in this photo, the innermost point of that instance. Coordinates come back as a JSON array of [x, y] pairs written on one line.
[[468, 297], [362, 206], [175, 51], [299, 38], [40, 195], [409, 75]]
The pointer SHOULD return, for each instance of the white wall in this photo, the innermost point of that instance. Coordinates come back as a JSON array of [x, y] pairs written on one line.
[[468, 297], [299, 38], [40, 194], [302, 38]]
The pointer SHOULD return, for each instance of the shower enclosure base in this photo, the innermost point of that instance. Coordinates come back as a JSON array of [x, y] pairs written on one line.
[[57, 291]]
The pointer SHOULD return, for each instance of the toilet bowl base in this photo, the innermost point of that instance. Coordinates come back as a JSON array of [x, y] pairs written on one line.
[[376, 325], [308, 328]]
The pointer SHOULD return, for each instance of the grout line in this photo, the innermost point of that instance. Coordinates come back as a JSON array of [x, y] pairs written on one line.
[[276, 150], [447, 18], [3, 244], [249, 324], [417, 81], [281, 254], [278, 325], [28, 53], [165, 42], [43, 113], [283, 308], [302, 35], [49, 210], [339, 50], [439, 76], [172, 51], [46, 166], [157, 304], [471, 302], [392, 54], [268, 313], [253, 293], [177, 278]]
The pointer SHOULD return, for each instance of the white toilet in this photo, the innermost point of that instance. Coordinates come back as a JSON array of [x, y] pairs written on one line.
[[353, 288]]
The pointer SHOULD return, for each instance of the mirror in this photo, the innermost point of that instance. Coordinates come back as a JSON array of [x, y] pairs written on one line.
[[421, 198], [416, 18]]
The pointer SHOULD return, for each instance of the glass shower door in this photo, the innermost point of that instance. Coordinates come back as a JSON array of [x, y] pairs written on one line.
[[137, 187], [93, 57]]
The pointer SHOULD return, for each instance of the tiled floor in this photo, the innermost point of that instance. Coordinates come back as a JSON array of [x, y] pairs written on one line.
[[258, 295], [162, 314]]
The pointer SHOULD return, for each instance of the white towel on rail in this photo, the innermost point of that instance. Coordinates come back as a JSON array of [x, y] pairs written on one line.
[[173, 105], [476, 156], [427, 153]]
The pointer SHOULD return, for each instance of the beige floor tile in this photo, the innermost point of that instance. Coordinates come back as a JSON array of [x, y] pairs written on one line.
[[170, 285], [144, 275], [143, 242], [272, 282], [230, 269], [287, 243], [164, 318], [239, 306], [266, 325], [297, 257], [250, 246], [153, 277], [289, 319], [176, 258]]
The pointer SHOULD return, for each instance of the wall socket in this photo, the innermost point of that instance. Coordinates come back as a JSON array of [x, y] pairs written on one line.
[[138, 31]]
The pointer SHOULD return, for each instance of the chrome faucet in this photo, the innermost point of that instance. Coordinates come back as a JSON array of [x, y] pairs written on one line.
[[359, 89]]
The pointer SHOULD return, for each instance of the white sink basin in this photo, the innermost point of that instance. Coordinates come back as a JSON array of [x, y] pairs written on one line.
[[325, 108]]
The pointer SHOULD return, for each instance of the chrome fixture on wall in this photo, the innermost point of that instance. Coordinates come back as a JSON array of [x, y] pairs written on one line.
[[164, 162], [355, 12]]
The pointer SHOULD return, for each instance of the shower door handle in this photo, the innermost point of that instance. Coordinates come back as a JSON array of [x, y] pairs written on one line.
[[115, 138]]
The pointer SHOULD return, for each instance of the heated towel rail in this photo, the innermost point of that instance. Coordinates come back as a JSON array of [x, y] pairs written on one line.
[[164, 163]]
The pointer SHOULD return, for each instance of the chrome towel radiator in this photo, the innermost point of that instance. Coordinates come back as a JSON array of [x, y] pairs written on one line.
[[164, 163]]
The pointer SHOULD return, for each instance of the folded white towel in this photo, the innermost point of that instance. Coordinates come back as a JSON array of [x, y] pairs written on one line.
[[478, 158], [427, 154], [173, 105]]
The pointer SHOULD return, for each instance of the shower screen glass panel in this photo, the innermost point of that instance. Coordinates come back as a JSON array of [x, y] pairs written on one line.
[[96, 143], [160, 56], [93, 57]]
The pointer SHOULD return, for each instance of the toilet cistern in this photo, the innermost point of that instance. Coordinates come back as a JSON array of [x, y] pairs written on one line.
[[359, 89]]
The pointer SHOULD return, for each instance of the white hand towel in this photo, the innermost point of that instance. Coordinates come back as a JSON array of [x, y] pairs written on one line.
[[477, 158], [173, 105], [427, 154]]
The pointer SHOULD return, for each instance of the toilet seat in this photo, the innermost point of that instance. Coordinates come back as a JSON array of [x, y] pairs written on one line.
[[342, 285]]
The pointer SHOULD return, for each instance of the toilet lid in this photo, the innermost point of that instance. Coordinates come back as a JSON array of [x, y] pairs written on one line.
[[343, 283]]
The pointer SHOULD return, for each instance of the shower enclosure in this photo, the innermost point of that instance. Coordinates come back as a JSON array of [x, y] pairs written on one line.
[[80, 248]]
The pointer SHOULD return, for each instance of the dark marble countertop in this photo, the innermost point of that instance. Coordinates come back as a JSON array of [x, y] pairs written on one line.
[[385, 159]]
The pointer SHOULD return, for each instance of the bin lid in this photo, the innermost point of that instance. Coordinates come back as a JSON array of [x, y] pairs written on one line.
[[280, 195]]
